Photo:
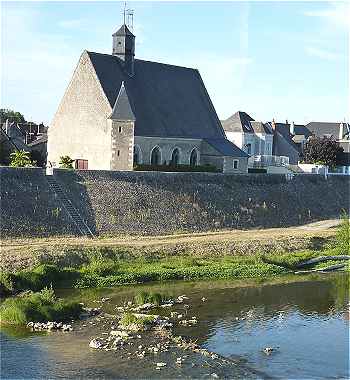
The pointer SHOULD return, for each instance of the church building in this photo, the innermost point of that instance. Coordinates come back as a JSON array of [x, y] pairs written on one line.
[[118, 112]]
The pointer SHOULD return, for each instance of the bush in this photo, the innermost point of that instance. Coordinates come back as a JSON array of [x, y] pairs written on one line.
[[100, 267], [38, 307], [21, 159], [7, 284], [40, 277], [66, 162]]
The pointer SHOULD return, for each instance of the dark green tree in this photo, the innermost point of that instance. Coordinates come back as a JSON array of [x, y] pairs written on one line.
[[324, 151], [11, 116]]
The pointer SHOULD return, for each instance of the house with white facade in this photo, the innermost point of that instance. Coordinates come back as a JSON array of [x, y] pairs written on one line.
[[256, 139]]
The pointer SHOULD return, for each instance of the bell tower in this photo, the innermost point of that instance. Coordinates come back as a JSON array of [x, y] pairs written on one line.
[[124, 47]]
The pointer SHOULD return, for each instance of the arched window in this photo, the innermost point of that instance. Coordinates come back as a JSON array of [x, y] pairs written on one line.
[[175, 157], [156, 156], [137, 155], [194, 158]]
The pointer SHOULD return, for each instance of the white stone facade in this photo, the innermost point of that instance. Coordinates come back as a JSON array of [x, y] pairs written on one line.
[[80, 127], [252, 143]]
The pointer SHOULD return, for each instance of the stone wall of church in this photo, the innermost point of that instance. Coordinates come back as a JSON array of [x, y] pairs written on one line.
[[167, 145], [79, 128], [122, 145]]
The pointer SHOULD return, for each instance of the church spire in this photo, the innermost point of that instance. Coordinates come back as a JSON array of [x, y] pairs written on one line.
[[122, 109], [124, 47]]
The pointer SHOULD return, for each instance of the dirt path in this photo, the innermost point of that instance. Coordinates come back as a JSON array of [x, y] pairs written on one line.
[[317, 229]]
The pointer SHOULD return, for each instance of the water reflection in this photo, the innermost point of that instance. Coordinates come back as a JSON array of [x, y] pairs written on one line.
[[305, 320]]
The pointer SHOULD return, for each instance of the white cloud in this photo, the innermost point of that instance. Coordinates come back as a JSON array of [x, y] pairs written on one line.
[[338, 14], [322, 53]]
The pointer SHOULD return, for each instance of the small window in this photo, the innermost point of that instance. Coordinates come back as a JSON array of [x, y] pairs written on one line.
[[118, 152], [156, 156], [194, 157], [235, 164], [120, 129]]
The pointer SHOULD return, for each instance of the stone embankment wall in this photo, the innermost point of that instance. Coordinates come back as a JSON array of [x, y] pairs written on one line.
[[160, 203], [28, 207]]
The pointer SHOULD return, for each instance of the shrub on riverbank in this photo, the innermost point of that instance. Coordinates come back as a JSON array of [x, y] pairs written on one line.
[[36, 279], [37, 307]]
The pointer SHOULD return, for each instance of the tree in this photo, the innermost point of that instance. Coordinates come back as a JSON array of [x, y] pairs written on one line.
[[324, 151], [11, 116], [66, 162], [21, 159]]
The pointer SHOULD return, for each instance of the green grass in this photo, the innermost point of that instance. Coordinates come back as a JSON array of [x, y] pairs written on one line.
[[102, 271], [37, 307], [145, 297], [131, 319]]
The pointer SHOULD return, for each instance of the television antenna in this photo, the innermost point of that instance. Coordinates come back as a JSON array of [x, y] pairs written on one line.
[[128, 17]]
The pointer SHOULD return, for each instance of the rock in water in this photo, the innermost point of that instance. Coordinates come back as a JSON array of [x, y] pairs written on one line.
[[96, 343], [268, 350]]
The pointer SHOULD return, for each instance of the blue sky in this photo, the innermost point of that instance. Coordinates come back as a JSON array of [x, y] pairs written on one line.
[[282, 60]]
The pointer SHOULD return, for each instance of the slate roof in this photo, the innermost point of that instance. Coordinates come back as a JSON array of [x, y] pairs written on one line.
[[226, 147], [123, 31], [260, 127], [122, 109], [166, 100], [242, 122], [41, 140], [238, 122], [301, 130], [321, 129], [284, 131]]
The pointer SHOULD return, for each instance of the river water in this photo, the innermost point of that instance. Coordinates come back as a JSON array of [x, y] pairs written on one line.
[[304, 319]]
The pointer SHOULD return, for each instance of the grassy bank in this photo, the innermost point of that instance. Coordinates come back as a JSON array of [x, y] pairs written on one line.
[[20, 254], [103, 270], [37, 307]]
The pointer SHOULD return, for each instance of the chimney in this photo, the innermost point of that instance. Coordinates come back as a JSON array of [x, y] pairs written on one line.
[[291, 128], [273, 124], [341, 131]]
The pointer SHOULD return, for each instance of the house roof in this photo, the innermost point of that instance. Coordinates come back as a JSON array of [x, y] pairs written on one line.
[[41, 140], [260, 127], [166, 100], [123, 31], [322, 129], [122, 109], [226, 147], [242, 122], [283, 143], [301, 130], [238, 122]]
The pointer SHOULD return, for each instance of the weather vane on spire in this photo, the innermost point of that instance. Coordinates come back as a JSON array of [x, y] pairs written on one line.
[[128, 17]]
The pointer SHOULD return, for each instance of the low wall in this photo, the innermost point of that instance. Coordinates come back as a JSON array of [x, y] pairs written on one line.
[[162, 203]]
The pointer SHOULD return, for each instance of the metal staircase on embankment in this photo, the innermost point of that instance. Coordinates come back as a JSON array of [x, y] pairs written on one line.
[[73, 213]]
